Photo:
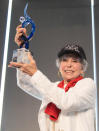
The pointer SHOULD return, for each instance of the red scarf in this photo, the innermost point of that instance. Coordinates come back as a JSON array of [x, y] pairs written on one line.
[[51, 108]]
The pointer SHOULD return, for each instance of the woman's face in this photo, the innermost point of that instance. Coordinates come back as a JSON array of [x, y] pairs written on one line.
[[70, 68]]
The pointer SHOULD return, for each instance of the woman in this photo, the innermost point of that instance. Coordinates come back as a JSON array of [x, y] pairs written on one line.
[[67, 105]]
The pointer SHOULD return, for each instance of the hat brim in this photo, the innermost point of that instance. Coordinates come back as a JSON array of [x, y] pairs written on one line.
[[68, 52]]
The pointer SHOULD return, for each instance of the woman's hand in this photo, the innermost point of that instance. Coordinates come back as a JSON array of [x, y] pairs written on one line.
[[29, 69], [19, 32]]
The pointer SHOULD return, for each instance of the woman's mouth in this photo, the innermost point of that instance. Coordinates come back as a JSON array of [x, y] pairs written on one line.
[[68, 71]]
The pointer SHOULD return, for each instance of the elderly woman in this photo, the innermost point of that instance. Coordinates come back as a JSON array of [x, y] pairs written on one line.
[[67, 105]]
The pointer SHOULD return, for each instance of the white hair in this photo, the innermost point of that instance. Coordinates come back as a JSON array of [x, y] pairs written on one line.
[[83, 62]]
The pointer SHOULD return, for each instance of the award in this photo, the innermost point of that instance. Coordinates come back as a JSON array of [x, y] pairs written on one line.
[[20, 55]]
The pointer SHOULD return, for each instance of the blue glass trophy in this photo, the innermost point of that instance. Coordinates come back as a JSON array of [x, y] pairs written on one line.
[[21, 54]]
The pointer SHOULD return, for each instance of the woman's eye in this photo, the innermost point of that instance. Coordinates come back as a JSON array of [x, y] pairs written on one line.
[[75, 61], [64, 59]]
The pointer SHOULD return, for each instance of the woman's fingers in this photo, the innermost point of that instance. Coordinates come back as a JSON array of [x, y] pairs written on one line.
[[19, 32], [19, 26], [15, 64], [18, 39], [29, 69], [19, 29]]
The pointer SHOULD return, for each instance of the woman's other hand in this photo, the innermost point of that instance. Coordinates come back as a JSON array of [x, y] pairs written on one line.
[[29, 69], [19, 32]]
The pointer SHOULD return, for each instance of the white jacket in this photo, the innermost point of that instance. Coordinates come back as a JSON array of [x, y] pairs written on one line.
[[77, 105]]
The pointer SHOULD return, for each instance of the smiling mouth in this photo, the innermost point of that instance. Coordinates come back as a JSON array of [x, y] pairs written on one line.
[[68, 71]]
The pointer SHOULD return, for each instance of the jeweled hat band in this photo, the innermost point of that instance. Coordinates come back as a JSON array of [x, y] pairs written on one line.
[[72, 49]]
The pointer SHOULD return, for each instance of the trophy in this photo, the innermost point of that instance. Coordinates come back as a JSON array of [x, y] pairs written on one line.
[[21, 54]]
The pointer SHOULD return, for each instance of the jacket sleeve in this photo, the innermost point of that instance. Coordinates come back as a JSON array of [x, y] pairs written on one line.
[[80, 97], [23, 81]]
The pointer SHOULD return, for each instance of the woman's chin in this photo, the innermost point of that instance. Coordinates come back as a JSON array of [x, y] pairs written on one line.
[[68, 79]]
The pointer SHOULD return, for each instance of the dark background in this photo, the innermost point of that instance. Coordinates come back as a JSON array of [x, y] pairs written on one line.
[[57, 22]]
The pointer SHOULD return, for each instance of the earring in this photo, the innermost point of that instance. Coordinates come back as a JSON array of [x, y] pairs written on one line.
[[82, 74], [59, 74]]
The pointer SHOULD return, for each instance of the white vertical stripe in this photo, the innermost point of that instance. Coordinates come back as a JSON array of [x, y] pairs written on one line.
[[94, 58], [3, 75]]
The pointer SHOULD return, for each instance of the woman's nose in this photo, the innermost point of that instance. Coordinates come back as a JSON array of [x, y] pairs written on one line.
[[69, 64]]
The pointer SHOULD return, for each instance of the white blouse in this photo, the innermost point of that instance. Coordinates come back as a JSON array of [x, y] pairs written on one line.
[[77, 105]]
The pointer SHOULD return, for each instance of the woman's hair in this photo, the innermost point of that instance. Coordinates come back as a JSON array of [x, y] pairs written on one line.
[[82, 61]]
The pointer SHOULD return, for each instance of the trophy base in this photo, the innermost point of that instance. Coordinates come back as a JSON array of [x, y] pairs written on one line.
[[21, 55]]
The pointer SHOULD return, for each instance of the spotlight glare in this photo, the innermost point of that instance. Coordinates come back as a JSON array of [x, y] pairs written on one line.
[[3, 75], [94, 57]]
